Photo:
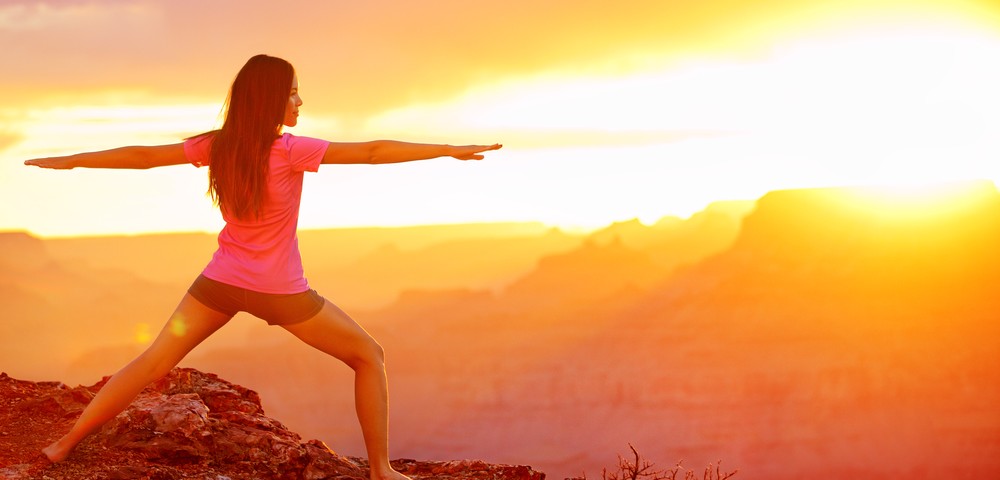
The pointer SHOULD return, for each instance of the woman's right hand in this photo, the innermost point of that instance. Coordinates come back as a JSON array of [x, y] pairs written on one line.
[[134, 157], [61, 163]]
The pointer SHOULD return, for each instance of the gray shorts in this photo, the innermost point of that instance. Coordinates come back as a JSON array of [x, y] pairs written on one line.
[[275, 309]]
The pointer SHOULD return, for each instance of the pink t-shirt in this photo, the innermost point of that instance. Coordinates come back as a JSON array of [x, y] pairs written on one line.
[[263, 254]]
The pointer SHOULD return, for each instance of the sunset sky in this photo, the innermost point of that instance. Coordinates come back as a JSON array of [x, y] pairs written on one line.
[[608, 110]]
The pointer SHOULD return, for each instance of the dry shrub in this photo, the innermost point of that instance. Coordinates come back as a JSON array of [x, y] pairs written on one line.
[[637, 468]]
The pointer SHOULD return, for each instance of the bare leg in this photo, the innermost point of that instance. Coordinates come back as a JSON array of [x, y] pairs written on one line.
[[335, 333], [190, 324]]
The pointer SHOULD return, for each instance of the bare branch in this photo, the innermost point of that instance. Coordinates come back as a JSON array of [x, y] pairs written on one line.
[[639, 469]]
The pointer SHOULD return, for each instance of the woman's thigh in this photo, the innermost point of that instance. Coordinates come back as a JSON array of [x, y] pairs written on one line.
[[334, 332], [189, 325]]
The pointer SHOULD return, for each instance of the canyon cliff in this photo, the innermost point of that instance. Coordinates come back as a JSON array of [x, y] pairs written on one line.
[[817, 333]]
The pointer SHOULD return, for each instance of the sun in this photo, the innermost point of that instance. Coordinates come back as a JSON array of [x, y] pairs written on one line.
[[928, 202]]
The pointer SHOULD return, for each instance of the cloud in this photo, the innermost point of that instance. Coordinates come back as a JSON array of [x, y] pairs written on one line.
[[363, 58], [711, 86], [77, 46], [8, 140], [34, 16], [10, 134]]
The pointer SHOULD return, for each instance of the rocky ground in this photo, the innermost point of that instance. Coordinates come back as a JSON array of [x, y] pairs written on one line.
[[188, 425]]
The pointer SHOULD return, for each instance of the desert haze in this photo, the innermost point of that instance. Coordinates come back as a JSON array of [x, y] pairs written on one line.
[[824, 333]]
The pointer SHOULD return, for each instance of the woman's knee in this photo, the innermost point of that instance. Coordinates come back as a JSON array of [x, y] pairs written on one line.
[[149, 366], [369, 353]]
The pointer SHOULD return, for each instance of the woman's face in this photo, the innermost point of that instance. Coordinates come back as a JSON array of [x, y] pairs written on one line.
[[292, 107]]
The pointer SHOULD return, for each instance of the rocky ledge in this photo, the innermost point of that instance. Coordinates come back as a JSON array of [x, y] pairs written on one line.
[[188, 425]]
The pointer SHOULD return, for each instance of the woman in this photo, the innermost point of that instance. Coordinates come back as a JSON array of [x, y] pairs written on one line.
[[255, 177]]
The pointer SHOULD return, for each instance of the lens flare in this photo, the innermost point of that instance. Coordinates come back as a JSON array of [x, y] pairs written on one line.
[[178, 325], [143, 334]]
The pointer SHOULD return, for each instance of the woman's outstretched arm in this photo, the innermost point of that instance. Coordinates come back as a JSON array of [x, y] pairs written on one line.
[[124, 157], [391, 151]]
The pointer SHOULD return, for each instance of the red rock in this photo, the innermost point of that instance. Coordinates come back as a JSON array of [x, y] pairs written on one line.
[[187, 425]]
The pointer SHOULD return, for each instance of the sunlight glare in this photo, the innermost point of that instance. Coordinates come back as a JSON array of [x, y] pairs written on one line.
[[94, 201], [923, 202], [864, 80], [876, 105], [79, 128]]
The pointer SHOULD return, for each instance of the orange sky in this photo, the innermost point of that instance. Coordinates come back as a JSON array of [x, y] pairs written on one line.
[[645, 109]]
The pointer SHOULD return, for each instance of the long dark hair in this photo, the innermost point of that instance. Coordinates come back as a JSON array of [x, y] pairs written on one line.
[[255, 109]]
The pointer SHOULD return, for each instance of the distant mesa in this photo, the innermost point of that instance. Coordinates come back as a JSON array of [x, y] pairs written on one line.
[[22, 251], [811, 221]]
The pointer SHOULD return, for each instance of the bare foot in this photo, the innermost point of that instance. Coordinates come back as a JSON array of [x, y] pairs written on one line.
[[389, 475], [58, 451]]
